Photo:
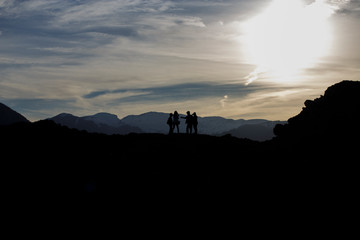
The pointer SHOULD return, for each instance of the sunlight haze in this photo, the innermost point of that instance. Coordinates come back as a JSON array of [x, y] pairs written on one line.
[[288, 36]]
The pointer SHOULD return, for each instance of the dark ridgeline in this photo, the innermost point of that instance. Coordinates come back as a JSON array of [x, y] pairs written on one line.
[[332, 119], [154, 122], [323, 139], [9, 116], [311, 164], [91, 126]]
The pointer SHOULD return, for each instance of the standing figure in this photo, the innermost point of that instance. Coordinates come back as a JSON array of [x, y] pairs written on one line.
[[188, 122], [195, 122], [170, 123], [176, 121]]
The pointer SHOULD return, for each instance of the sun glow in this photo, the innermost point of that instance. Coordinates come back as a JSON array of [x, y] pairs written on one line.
[[287, 37]]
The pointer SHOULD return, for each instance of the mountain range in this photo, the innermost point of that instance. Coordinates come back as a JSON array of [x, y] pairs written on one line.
[[155, 122], [99, 123]]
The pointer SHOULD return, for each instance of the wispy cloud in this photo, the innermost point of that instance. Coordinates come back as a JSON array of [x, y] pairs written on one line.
[[223, 100], [107, 95]]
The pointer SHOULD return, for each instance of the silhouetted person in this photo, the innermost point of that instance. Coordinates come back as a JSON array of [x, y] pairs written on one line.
[[170, 123], [188, 122], [176, 121], [195, 122]]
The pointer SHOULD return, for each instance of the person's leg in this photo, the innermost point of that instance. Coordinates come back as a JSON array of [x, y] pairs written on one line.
[[189, 129]]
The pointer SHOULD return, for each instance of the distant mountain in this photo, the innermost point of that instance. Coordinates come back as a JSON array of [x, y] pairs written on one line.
[[255, 129], [259, 132], [150, 122], [105, 119], [155, 122], [9, 116], [98, 123], [218, 125]]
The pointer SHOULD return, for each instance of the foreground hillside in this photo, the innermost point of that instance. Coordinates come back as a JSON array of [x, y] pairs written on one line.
[[332, 118], [66, 161], [312, 162]]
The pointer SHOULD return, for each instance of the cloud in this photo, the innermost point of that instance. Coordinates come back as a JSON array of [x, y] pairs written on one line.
[[191, 21], [202, 97], [107, 95], [274, 103], [111, 11], [5, 3], [223, 101], [180, 92], [352, 8], [114, 30], [41, 108]]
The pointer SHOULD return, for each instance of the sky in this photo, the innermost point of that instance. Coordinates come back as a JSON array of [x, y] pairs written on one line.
[[232, 58]]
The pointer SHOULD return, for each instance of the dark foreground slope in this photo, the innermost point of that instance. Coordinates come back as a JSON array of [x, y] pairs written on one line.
[[52, 158], [324, 139], [43, 159], [330, 120], [312, 164]]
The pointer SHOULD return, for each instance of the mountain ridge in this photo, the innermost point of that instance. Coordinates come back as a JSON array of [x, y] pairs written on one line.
[[152, 122], [155, 122], [105, 118], [8, 116], [336, 114], [95, 123]]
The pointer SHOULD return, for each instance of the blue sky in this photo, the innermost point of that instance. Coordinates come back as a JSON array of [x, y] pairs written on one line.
[[133, 56]]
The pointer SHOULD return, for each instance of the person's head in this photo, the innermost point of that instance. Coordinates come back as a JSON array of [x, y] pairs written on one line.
[[171, 114], [194, 114], [188, 112], [176, 113]]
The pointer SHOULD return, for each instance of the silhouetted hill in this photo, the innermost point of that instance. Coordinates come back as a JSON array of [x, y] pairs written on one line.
[[106, 119], [98, 123], [150, 122], [9, 116], [256, 132], [57, 159], [331, 119]]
